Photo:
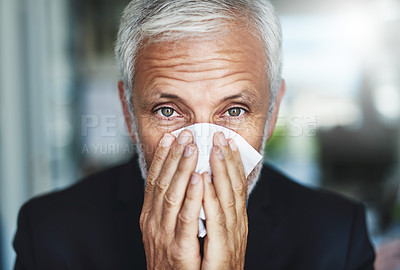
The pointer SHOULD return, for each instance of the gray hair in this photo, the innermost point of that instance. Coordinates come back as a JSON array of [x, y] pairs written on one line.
[[168, 20]]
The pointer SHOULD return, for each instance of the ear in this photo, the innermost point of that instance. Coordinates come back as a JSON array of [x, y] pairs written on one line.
[[276, 110], [127, 115]]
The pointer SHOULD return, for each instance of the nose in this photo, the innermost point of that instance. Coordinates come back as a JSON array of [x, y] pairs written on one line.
[[203, 110], [203, 116]]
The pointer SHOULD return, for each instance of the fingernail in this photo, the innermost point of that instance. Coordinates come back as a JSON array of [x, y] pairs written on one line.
[[167, 140], [233, 145], [219, 152], [189, 149], [222, 139], [184, 137], [194, 179], [208, 177]]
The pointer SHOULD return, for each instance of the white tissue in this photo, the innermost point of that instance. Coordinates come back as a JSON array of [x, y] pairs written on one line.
[[203, 137]]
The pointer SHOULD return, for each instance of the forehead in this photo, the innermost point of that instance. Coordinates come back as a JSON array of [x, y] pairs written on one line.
[[239, 39], [233, 40], [235, 55]]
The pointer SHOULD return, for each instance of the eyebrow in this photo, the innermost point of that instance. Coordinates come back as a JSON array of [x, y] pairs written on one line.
[[167, 95], [246, 94]]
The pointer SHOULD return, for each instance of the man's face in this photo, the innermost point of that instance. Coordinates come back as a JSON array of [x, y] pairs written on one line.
[[221, 81]]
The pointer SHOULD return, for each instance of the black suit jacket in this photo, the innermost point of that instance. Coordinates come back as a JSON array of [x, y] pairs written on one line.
[[95, 225]]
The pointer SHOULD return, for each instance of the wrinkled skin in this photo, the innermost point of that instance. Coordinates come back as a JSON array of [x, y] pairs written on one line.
[[220, 81]]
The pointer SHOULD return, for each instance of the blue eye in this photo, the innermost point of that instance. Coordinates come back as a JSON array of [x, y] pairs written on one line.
[[166, 112], [235, 111]]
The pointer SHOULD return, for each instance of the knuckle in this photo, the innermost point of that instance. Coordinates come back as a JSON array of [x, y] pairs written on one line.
[[178, 249], [175, 248], [175, 153], [171, 200], [229, 156], [159, 155], [141, 224], [245, 219], [161, 184], [213, 196], [190, 196], [239, 165], [220, 218], [151, 176], [176, 253], [231, 203], [180, 169], [142, 220], [185, 219], [148, 230], [245, 231], [241, 189], [150, 184]]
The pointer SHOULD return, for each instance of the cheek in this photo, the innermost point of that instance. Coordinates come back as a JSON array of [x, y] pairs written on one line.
[[253, 132], [149, 145], [149, 137]]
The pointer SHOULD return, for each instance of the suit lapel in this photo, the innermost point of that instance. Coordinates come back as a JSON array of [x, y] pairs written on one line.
[[260, 224], [129, 197]]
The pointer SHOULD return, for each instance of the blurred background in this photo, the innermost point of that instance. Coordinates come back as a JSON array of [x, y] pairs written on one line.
[[338, 128]]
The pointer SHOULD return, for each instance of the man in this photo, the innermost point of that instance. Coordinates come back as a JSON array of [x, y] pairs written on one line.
[[186, 62]]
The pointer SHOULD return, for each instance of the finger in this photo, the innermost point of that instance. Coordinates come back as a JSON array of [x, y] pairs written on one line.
[[238, 178], [175, 194], [237, 156], [232, 164], [215, 217], [222, 184], [155, 168], [168, 169], [237, 182], [188, 218]]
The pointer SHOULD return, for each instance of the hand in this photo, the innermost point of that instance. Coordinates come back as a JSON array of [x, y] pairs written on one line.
[[172, 202], [225, 208]]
